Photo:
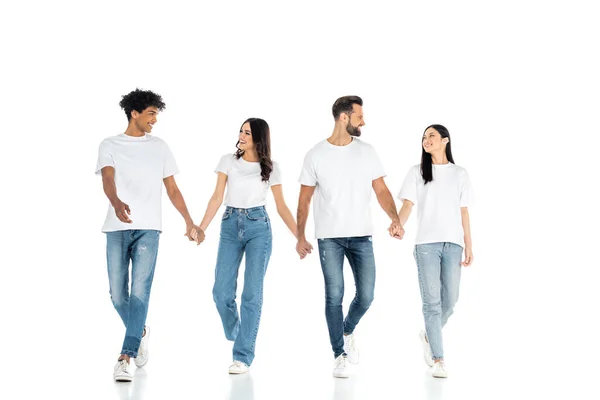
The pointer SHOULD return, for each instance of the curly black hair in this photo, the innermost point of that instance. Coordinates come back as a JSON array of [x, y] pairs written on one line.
[[139, 100]]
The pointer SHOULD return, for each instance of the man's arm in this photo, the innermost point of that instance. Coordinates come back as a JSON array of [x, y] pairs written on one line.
[[122, 210], [303, 247], [386, 201], [177, 199]]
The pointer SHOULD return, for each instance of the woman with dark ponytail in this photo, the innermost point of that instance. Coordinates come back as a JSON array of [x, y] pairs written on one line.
[[442, 192], [245, 229]]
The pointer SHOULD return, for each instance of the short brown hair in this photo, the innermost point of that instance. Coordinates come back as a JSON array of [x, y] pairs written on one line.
[[344, 105]]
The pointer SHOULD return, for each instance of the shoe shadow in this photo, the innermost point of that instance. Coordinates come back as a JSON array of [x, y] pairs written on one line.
[[242, 387], [434, 387], [135, 389], [343, 389]]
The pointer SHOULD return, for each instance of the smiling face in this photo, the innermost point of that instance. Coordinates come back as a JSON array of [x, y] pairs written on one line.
[[145, 120], [433, 141], [245, 141]]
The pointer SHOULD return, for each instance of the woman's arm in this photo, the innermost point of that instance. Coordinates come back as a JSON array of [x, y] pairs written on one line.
[[464, 212], [214, 203], [405, 211], [283, 210]]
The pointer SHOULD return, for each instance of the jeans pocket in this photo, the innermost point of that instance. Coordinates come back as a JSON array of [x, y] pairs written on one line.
[[226, 215], [256, 215]]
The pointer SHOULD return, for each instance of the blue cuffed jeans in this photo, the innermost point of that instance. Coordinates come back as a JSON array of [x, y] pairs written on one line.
[[141, 248], [359, 252], [439, 270], [243, 231]]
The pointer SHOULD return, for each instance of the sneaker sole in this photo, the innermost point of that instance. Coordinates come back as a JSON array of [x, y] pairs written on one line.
[[439, 376], [238, 372], [342, 376], [123, 378]]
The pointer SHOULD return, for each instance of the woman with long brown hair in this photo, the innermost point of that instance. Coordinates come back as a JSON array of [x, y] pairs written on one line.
[[245, 230]]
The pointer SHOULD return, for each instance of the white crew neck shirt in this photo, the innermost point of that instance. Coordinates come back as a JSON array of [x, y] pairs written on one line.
[[245, 187], [141, 164], [439, 202], [343, 176]]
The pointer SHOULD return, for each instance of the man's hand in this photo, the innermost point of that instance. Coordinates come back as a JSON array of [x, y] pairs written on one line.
[[122, 212], [195, 233], [396, 230], [303, 247]]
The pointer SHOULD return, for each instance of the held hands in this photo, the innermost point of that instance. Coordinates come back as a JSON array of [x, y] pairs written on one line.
[[303, 247], [122, 212], [468, 257], [195, 234], [396, 230]]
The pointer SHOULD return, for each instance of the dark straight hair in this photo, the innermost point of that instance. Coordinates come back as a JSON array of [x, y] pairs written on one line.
[[426, 162], [261, 136]]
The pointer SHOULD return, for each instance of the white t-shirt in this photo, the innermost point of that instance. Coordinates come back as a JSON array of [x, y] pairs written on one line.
[[245, 187], [439, 202], [140, 165], [343, 176]]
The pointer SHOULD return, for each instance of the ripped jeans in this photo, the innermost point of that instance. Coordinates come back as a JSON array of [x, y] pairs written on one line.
[[359, 252], [141, 248], [439, 270]]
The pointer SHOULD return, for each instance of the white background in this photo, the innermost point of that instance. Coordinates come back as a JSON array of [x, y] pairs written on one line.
[[515, 82]]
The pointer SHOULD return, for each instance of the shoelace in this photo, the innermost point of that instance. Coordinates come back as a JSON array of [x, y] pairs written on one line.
[[238, 364], [124, 365], [341, 362]]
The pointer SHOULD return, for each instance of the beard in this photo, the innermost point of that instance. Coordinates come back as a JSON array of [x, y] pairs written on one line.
[[353, 130]]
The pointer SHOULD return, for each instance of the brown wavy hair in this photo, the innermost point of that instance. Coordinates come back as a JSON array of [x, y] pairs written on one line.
[[261, 136]]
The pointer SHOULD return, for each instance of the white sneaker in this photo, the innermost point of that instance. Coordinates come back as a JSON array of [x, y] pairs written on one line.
[[427, 356], [439, 370], [340, 367], [238, 367], [143, 352], [350, 348], [121, 373]]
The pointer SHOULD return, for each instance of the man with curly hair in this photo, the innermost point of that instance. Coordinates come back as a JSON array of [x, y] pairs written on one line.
[[133, 165]]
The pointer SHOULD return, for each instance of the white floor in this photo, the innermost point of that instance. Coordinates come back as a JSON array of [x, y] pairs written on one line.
[[390, 368], [500, 343]]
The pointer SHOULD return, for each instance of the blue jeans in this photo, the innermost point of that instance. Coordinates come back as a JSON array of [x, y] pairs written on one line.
[[242, 231], [141, 248], [439, 278], [359, 252]]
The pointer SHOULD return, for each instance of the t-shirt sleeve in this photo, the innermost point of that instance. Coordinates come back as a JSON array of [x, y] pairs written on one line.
[[275, 178], [378, 170], [170, 166], [225, 164], [409, 187], [466, 191], [308, 176], [105, 158]]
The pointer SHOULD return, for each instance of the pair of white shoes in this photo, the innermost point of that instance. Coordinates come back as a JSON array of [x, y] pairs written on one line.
[[350, 355], [122, 372], [340, 366], [438, 368]]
